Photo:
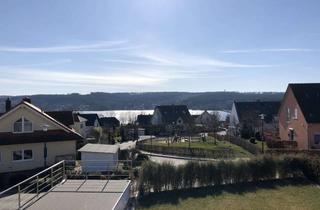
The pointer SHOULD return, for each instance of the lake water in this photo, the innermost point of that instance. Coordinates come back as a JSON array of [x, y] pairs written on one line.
[[125, 116]]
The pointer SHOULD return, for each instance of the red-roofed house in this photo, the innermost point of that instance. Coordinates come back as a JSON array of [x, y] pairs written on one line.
[[299, 116]]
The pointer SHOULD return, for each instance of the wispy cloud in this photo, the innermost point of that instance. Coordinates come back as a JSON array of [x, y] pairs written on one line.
[[41, 64], [73, 78], [271, 50], [105, 46], [181, 61]]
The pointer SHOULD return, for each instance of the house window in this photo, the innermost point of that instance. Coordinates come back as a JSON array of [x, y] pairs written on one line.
[[22, 125], [317, 139], [27, 125], [288, 114], [17, 126], [295, 113], [27, 154], [17, 155], [22, 155]]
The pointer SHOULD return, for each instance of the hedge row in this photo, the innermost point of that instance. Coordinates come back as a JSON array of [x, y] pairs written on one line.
[[188, 152], [244, 144], [155, 177]]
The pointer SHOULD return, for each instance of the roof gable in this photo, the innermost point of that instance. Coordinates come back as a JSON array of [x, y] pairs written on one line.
[[250, 111], [144, 119], [170, 113], [40, 113], [308, 99], [109, 121], [91, 118]]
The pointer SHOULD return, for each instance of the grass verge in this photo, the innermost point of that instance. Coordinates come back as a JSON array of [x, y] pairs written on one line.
[[281, 194]]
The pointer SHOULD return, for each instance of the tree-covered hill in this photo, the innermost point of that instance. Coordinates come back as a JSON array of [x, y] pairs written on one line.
[[128, 101]]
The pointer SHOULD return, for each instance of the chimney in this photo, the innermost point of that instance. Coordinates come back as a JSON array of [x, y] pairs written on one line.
[[27, 99], [8, 104]]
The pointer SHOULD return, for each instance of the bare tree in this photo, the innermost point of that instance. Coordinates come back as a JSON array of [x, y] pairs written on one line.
[[123, 118], [214, 124], [111, 114]]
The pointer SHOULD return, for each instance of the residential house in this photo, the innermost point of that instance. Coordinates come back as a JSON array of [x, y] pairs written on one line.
[[299, 116], [109, 122], [245, 118], [208, 121], [91, 123], [143, 120], [80, 124], [70, 119], [172, 118], [65, 117], [31, 139]]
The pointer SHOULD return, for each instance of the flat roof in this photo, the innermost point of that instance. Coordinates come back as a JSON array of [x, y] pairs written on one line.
[[83, 195], [100, 148]]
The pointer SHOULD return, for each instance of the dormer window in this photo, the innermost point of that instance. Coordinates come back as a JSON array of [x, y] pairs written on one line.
[[22, 125]]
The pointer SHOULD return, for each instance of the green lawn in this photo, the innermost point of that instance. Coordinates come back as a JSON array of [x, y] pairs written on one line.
[[209, 145], [282, 195]]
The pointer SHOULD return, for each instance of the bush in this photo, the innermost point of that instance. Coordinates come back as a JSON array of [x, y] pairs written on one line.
[[311, 168]]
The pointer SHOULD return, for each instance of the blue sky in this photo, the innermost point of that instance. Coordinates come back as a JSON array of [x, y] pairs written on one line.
[[59, 46]]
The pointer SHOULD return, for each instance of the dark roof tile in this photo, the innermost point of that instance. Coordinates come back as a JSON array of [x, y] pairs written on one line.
[[170, 113], [308, 98], [91, 118], [65, 117], [250, 111], [144, 120], [109, 122], [8, 138]]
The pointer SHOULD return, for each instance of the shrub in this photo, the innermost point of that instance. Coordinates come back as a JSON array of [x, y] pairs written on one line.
[[311, 168]]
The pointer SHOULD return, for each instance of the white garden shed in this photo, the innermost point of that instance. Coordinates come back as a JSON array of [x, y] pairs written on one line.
[[99, 157]]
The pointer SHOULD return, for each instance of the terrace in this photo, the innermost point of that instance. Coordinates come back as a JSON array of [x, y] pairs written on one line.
[[63, 186]]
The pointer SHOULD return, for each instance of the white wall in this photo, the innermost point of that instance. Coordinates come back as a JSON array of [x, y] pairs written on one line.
[[95, 162], [54, 149]]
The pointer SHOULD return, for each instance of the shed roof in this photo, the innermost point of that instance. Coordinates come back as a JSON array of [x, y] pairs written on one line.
[[100, 148]]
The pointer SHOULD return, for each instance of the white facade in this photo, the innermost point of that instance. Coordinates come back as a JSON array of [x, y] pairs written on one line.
[[234, 120], [25, 150], [99, 157]]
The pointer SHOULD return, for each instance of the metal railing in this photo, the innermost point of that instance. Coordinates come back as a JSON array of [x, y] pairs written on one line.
[[30, 190], [33, 188]]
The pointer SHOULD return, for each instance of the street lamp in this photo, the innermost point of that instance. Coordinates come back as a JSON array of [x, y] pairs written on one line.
[[262, 136]]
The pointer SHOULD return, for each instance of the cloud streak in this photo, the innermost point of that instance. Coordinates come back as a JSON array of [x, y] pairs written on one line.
[[118, 45], [90, 79], [271, 50], [181, 61]]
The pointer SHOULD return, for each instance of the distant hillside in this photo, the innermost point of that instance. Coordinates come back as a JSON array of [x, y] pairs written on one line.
[[127, 101]]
